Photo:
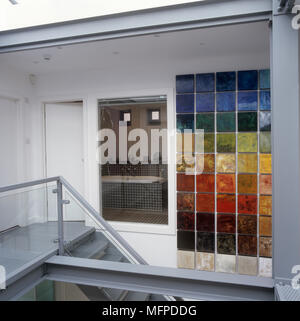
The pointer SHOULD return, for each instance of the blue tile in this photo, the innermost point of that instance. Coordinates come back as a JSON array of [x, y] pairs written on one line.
[[247, 100], [185, 122], [226, 101], [265, 100], [264, 79], [226, 81], [185, 103], [205, 82], [205, 102], [185, 84], [248, 80]]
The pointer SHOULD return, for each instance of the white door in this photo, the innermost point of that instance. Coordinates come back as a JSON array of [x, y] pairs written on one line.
[[64, 150]]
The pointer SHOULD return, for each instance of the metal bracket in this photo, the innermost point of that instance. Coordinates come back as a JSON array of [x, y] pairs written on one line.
[[66, 202], [54, 191]]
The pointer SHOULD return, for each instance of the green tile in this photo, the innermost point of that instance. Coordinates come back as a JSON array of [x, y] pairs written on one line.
[[247, 122], [226, 122], [247, 142], [265, 142], [205, 121], [208, 141], [226, 143]]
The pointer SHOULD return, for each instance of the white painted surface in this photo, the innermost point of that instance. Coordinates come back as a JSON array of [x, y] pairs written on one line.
[[9, 127], [144, 65], [31, 12], [64, 149], [8, 160], [156, 249]]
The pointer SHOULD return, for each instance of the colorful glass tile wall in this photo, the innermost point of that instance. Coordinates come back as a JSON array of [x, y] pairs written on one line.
[[224, 213]]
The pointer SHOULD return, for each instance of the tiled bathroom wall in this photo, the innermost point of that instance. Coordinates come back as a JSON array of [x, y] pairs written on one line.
[[224, 190]]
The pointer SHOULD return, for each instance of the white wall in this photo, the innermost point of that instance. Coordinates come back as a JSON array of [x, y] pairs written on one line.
[[20, 149], [156, 248]]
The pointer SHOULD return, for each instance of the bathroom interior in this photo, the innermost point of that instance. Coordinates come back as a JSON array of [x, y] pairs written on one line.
[[133, 190]]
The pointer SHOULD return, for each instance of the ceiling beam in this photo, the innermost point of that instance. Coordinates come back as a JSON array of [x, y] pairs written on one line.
[[202, 14]]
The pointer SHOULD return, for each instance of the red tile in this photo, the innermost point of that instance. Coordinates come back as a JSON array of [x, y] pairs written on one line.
[[226, 203], [205, 183], [185, 221], [185, 183], [206, 203], [226, 223], [247, 204]]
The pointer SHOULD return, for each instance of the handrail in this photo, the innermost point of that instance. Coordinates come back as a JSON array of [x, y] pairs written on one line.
[[94, 215], [99, 219], [28, 184]]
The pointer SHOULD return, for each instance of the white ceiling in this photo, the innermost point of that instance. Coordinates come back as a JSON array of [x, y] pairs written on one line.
[[162, 49]]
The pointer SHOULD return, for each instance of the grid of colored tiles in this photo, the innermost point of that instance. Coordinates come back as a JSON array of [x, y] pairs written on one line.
[[224, 174]]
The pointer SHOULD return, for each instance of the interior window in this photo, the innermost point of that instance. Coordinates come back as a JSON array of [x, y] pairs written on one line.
[[133, 159]]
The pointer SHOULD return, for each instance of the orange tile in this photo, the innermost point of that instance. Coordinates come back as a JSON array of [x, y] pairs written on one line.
[[265, 226], [226, 183], [265, 163], [265, 205], [265, 184]]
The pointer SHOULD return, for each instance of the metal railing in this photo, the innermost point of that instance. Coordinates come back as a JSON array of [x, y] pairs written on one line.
[[113, 236]]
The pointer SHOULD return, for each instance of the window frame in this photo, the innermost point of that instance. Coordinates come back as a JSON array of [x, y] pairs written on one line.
[[170, 228]]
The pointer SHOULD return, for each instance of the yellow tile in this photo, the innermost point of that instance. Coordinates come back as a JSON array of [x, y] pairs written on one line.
[[205, 163], [226, 163], [247, 142], [265, 205], [265, 163], [185, 143], [185, 163], [247, 163]]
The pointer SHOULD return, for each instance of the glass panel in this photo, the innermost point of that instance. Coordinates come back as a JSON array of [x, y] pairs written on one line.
[[28, 228], [224, 203], [44, 291], [133, 159], [91, 240]]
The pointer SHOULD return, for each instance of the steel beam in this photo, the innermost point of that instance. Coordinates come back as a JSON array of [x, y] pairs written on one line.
[[202, 14], [158, 280], [285, 147], [25, 278], [23, 285]]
